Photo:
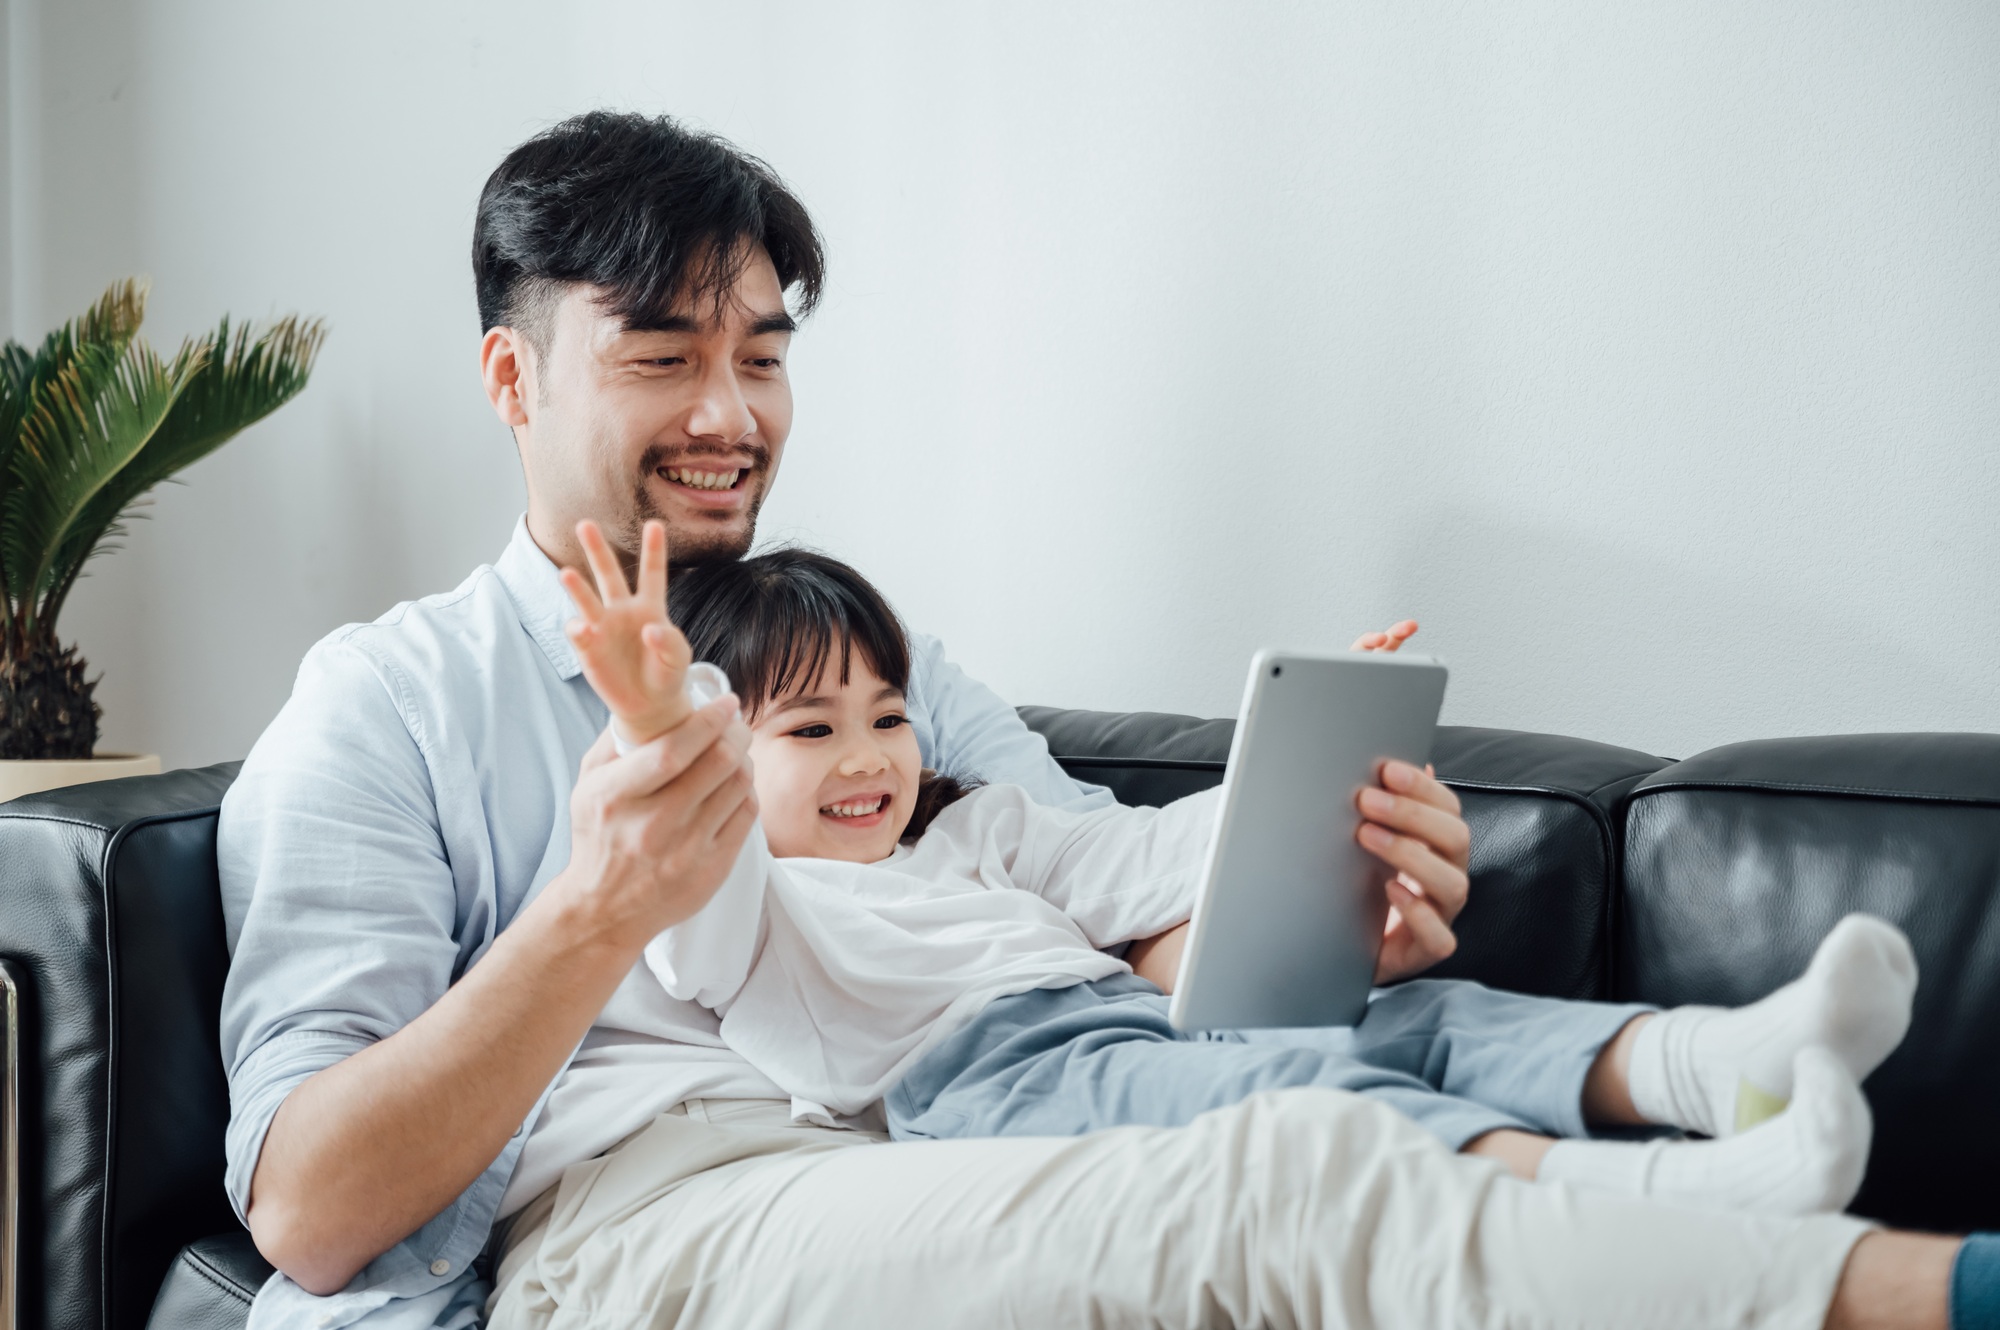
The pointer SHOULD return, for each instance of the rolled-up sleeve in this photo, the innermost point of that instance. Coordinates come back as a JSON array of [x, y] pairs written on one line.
[[342, 908]]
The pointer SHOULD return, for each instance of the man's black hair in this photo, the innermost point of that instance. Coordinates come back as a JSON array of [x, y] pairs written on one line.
[[661, 217], [785, 619]]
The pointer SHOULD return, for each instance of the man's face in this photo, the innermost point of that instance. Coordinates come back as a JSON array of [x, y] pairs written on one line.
[[684, 423]]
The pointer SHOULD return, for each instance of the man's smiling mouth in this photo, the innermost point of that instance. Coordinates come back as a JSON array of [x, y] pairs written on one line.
[[695, 478]]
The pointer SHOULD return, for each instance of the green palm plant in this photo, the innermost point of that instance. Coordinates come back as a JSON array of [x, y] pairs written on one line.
[[90, 422]]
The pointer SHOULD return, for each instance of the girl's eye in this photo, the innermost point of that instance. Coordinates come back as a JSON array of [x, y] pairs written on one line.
[[812, 732], [891, 722]]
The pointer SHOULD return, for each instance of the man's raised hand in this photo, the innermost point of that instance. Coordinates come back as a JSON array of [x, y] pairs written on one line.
[[631, 652]]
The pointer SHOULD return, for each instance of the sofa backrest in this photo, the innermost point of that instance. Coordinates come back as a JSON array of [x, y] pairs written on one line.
[[1541, 808], [109, 909]]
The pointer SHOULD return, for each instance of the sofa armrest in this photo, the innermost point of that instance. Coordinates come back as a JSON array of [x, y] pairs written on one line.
[[111, 924], [211, 1285], [1739, 860]]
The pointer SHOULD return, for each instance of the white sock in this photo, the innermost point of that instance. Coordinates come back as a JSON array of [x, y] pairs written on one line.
[[1719, 1071], [1807, 1160]]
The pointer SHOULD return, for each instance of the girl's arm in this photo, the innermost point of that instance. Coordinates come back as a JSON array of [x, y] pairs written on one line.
[[638, 663], [1157, 959], [1120, 873]]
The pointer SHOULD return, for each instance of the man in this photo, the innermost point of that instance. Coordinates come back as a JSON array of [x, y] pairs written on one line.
[[434, 1022]]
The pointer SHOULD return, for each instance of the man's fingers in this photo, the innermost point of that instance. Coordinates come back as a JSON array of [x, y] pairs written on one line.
[[736, 830], [653, 766], [730, 796], [603, 563], [653, 563], [699, 745]]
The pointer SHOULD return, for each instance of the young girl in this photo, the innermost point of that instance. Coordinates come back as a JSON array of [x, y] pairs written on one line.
[[899, 935]]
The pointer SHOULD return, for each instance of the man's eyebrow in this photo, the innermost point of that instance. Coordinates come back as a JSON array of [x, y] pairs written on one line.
[[666, 323], [780, 322]]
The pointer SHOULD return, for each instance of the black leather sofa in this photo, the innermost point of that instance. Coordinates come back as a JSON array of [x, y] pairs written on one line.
[[1598, 873]]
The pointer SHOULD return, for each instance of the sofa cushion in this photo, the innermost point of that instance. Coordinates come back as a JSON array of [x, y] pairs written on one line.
[[1740, 860], [1544, 856], [211, 1285], [1540, 807]]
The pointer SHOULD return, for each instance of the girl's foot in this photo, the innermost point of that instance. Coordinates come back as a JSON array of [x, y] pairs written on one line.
[[1807, 1160], [1720, 1071]]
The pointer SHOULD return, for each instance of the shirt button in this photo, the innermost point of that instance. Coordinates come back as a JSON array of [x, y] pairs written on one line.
[[440, 1267], [324, 1318]]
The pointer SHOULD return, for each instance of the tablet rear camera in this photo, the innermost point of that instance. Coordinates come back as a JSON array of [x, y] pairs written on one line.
[[1277, 670]]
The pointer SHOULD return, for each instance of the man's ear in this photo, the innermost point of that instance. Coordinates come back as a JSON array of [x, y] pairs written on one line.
[[506, 366]]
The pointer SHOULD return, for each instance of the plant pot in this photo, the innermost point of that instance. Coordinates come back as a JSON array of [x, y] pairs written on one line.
[[19, 777]]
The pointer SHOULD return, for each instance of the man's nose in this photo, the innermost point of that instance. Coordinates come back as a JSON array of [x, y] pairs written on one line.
[[719, 411]]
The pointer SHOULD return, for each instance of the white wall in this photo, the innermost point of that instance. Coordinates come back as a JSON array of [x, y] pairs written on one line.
[[1649, 354]]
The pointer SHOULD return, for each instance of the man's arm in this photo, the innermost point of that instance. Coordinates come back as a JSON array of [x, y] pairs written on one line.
[[973, 733], [362, 1153]]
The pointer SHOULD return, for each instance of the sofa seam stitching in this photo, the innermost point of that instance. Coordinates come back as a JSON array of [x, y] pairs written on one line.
[[1836, 791], [201, 1266]]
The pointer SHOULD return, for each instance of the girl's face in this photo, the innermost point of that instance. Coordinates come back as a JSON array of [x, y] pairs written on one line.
[[837, 767]]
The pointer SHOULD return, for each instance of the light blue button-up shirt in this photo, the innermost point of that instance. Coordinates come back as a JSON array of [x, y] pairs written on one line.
[[410, 798]]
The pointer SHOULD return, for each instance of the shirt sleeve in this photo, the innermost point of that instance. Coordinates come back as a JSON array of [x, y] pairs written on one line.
[[708, 957], [338, 898], [1119, 873], [969, 732]]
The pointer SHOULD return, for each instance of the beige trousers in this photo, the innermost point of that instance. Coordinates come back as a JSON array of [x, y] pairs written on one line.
[[1300, 1207]]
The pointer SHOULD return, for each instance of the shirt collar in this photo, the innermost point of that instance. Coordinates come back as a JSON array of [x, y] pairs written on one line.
[[532, 582]]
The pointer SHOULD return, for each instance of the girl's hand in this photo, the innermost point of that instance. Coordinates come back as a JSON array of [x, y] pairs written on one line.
[[631, 652], [1397, 634], [1412, 823]]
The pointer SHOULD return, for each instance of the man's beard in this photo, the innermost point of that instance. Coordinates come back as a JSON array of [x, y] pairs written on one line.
[[707, 542]]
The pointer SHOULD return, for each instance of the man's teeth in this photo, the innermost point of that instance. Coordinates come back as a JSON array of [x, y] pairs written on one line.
[[857, 807], [704, 480]]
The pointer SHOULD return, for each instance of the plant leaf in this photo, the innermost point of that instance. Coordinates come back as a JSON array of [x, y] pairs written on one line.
[[97, 337], [234, 379], [84, 430]]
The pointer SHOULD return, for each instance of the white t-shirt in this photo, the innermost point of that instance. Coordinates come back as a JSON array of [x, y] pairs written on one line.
[[834, 978]]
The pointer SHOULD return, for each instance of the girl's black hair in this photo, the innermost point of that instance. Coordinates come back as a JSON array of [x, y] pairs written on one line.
[[780, 620]]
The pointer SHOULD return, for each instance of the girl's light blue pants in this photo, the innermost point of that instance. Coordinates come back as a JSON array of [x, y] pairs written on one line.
[[1458, 1058]]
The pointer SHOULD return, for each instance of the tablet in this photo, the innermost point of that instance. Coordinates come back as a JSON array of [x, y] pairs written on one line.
[[1289, 912]]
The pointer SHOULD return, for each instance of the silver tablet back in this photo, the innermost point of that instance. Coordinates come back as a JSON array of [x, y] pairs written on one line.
[[1289, 915]]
